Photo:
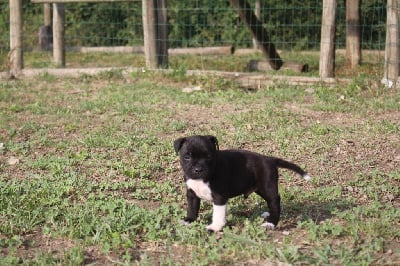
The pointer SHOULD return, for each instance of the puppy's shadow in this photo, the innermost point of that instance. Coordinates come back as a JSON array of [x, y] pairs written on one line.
[[293, 211]]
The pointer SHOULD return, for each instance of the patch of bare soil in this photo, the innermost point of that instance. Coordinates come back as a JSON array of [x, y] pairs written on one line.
[[197, 116], [356, 154], [309, 116], [39, 243]]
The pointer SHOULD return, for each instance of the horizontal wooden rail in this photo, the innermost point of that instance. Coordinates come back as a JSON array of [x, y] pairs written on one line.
[[213, 50], [79, 1]]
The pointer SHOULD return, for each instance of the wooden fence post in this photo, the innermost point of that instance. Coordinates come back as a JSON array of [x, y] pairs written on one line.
[[149, 33], [15, 59], [162, 33], [47, 14], [58, 34], [257, 12], [328, 28], [392, 44], [353, 32], [155, 33]]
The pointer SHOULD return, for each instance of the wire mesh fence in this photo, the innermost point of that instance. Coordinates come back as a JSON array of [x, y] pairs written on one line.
[[294, 27]]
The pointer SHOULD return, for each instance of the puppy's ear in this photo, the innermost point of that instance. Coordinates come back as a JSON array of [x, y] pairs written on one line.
[[214, 140], [178, 144]]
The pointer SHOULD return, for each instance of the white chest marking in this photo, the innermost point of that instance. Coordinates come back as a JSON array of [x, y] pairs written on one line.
[[201, 189]]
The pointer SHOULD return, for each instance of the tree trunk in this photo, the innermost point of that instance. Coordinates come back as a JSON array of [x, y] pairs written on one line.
[[259, 33]]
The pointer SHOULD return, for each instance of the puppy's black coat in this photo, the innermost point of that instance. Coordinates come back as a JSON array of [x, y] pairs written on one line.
[[230, 173]]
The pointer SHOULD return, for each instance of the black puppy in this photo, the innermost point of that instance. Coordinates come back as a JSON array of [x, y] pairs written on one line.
[[216, 176]]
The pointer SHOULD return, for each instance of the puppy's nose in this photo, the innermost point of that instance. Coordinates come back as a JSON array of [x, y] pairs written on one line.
[[197, 170]]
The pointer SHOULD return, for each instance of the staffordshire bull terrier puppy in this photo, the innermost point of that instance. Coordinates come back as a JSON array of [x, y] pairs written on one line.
[[217, 175]]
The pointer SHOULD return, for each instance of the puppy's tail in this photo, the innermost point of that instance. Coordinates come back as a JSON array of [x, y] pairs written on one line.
[[294, 167]]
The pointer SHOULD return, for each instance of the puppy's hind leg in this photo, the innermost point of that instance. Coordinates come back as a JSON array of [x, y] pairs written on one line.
[[272, 217], [273, 199]]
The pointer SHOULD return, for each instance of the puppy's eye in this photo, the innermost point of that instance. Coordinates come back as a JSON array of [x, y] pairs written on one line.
[[186, 157]]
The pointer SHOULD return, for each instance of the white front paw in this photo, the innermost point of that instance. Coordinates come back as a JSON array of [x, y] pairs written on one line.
[[265, 215], [215, 227], [183, 222]]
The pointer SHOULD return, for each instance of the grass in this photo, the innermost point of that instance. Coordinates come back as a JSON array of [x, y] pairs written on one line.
[[95, 180]]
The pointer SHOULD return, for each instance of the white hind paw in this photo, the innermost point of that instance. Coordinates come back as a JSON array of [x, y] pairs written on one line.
[[268, 225]]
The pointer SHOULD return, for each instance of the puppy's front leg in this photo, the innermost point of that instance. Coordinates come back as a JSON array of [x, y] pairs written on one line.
[[218, 218], [193, 206]]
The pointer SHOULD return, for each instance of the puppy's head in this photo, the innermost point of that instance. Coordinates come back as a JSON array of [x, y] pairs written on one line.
[[197, 156]]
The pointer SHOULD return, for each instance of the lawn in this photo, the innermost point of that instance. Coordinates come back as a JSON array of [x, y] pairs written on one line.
[[88, 174]]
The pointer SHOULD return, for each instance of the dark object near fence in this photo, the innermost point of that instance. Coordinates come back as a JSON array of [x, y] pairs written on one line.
[[45, 35], [257, 65], [259, 32]]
